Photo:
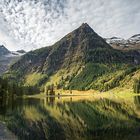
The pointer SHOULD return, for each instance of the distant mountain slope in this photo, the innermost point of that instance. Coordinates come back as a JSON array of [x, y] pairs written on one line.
[[133, 43], [80, 60], [3, 50], [7, 57]]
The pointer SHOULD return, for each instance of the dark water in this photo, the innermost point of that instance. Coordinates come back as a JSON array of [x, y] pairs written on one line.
[[72, 118]]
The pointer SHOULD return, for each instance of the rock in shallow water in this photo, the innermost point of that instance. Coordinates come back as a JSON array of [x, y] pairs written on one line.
[[5, 134]]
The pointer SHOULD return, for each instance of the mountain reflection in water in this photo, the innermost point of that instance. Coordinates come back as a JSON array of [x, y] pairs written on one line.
[[72, 118]]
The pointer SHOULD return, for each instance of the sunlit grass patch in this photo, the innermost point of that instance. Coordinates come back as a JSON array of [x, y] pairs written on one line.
[[34, 79]]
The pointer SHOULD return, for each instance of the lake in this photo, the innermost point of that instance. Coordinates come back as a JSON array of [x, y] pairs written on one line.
[[73, 118]]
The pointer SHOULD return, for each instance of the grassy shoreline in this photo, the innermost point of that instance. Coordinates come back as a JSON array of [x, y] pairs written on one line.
[[120, 92]]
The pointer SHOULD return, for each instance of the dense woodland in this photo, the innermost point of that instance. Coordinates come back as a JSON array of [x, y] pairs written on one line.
[[11, 88]]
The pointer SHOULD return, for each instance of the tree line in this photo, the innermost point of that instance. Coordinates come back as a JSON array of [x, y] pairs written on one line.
[[12, 88]]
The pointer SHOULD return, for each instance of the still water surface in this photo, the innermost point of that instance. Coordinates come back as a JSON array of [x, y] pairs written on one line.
[[73, 118]]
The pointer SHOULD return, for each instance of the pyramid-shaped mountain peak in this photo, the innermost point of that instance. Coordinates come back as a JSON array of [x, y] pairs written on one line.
[[85, 28], [81, 60], [84, 35], [81, 33], [77, 47]]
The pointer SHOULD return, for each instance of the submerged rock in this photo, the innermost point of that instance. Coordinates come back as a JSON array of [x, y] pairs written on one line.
[[5, 134]]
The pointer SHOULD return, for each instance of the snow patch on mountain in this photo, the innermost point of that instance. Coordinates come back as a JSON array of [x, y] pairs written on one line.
[[120, 43]]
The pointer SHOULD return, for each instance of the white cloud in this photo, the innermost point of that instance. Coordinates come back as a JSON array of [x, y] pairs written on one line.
[[5, 39], [38, 23]]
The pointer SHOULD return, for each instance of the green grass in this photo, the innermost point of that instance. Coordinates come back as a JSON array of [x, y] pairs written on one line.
[[35, 79]]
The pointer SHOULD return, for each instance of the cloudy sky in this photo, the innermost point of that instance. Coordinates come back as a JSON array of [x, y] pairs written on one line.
[[30, 24]]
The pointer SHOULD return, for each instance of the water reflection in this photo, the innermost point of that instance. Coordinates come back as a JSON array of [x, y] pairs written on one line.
[[71, 118], [137, 102], [49, 101]]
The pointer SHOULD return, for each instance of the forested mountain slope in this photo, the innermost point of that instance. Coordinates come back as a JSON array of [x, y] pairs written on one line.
[[81, 60]]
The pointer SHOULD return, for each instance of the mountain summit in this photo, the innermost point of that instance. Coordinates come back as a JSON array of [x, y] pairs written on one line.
[[75, 48], [85, 28], [74, 62], [3, 50], [85, 34]]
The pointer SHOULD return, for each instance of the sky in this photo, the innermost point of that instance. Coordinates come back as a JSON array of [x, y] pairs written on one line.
[[32, 24]]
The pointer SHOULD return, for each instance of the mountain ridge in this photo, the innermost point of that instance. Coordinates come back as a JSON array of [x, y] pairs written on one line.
[[68, 47], [78, 61]]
